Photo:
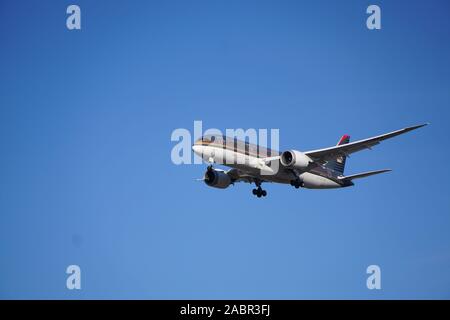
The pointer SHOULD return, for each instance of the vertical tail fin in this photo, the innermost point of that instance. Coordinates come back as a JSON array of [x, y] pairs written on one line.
[[338, 164]]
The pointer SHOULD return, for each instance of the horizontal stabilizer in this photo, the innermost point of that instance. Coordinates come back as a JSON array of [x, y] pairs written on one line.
[[363, 175]]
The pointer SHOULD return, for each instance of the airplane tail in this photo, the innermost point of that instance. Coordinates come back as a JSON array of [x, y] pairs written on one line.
[[348, 179], [338, 165]]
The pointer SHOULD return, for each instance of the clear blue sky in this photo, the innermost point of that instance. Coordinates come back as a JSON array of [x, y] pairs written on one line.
[[86, 175]]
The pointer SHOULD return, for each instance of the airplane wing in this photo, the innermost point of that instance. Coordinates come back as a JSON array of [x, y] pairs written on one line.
[[323, 155]]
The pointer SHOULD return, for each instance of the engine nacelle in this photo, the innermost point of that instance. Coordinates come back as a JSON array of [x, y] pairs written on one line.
[[217, 179], [295, 159]]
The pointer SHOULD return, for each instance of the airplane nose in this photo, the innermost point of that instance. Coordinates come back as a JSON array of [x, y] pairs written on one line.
[[196, 149]]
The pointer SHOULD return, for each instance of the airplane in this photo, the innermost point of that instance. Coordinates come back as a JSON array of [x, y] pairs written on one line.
[[251, 163]]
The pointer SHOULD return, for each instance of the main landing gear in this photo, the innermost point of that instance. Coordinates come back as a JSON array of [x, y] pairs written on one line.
[[259, 192], [296, 183]]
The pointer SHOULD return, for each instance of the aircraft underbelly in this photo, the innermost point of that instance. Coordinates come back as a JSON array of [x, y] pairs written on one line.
[[310, 180], [280, 174]]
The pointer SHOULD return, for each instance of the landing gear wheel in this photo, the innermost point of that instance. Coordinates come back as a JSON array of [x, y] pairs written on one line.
[[259, 192], [296, 183]]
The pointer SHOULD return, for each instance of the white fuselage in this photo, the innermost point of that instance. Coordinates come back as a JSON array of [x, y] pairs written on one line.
[[319, 178]]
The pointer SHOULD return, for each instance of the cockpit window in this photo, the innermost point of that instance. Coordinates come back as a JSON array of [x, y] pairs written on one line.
[[205, 140]]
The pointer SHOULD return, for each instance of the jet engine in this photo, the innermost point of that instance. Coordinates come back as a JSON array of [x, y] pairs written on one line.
[[217, 178], [295, 159]]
